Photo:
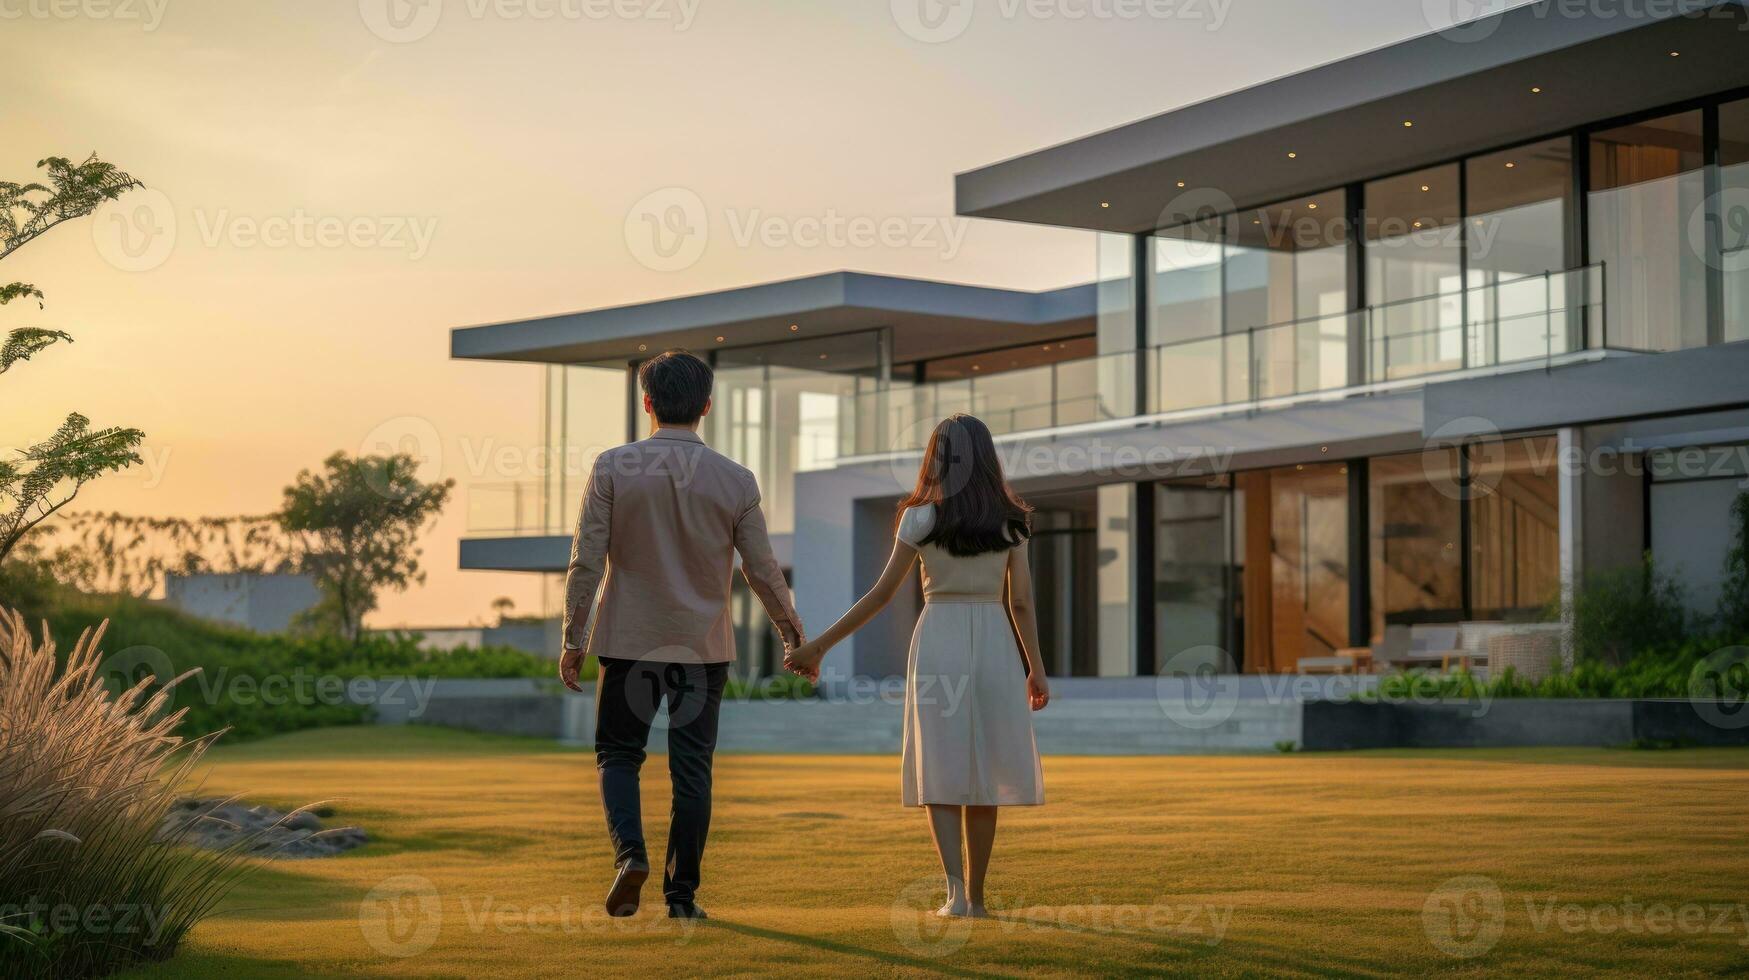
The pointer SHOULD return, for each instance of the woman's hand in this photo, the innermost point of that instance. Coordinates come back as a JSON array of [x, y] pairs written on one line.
[[1038, 690], [804, 661]]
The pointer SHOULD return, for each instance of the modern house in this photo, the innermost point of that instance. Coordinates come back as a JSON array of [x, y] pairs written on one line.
[[1421, 337]]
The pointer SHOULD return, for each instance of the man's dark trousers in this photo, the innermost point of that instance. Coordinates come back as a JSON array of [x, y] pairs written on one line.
[[627, 695]]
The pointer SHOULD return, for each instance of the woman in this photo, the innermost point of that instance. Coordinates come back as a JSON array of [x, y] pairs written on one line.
[[974, 663]]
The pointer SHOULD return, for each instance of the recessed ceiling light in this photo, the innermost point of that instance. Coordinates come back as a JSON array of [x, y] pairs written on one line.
[[822, 357], [1256, 221], [1105, 204], [1291, 155], [1313, 206], [643, 347], [1417, 224], [794, 327], [976, 367], [1407, 123], [1675, 54], [719, 340], [1425, 187], [1536, 89], [1510, 165], [1181, 183]]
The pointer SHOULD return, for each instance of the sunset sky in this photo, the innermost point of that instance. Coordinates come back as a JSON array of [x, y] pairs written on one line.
[[337, 183]]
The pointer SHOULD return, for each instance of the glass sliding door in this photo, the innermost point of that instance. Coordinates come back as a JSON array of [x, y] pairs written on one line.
[[1295, 557], [1416, 534], [1414, 274], [1518, 204], [1195, 580], [1647, 183], [1515, 535], [1064, 552]]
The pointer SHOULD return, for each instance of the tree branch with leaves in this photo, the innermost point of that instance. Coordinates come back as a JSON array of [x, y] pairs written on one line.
[[45, 477], [359, 522]]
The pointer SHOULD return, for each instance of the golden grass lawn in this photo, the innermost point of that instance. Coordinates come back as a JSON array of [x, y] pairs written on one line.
[[490, 858]]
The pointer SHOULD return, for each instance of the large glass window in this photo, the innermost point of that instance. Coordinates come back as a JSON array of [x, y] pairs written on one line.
[[1647, 184], [1185, 321], [1733, 217], [1516, 233], [1417, 558], [1295, 580], [780, 409], [1414, 274], [1515, 533], [1287, 284]]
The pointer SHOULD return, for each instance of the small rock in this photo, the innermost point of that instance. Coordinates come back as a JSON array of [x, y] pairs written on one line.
[[215, 825]]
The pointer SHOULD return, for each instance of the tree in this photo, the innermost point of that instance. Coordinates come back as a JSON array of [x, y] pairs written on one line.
[[359, 523], [45, 477], [1734, 596]]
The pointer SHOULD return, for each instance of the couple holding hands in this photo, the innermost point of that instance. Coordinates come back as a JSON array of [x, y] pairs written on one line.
[[661, 523]]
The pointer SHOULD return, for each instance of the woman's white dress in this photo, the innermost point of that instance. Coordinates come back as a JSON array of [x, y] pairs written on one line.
[[968, 726]]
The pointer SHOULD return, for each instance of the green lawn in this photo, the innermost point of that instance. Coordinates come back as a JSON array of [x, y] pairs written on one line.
[[490, 859]]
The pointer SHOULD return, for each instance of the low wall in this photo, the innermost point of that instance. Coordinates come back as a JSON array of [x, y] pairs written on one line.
[[869, 722], [1513, 722]]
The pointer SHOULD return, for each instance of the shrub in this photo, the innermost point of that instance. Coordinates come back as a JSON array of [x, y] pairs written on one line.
[[1734, 591], [1620, 614], [255, 684], [86, 777]]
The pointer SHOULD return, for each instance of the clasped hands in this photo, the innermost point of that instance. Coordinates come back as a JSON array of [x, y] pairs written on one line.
[[803, 657]]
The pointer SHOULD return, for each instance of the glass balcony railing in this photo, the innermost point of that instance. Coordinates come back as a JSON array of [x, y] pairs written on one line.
[[1089, 389], [1494, 323]]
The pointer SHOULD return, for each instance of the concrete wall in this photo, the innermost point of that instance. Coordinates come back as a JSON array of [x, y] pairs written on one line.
[[263, 603]]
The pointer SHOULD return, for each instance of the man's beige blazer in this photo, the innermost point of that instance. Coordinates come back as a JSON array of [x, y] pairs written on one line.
[[662, 520]]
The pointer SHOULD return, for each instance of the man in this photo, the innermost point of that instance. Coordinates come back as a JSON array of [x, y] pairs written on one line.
[[662, 520]]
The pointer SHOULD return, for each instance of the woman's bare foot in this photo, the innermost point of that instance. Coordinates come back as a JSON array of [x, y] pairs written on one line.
[[957, 906]]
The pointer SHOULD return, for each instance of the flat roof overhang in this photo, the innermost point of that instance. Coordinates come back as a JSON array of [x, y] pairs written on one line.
[[930, 319], [1466, 90]]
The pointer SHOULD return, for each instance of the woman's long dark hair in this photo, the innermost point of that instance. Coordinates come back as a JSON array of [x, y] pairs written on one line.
[[975, 509]]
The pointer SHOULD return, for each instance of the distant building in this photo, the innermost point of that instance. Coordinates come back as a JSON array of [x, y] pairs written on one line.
[[265, 603]]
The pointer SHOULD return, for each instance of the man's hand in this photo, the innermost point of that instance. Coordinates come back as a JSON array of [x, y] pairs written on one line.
[[570, 668]]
